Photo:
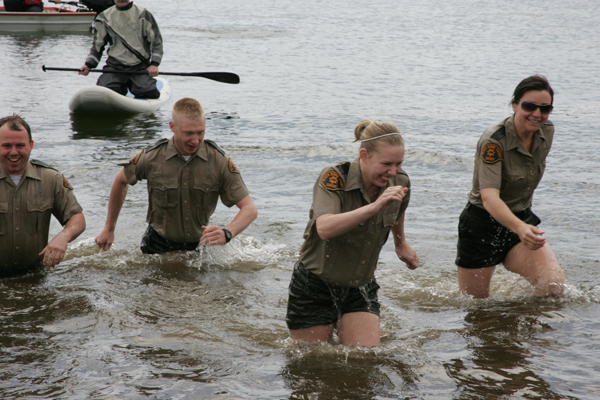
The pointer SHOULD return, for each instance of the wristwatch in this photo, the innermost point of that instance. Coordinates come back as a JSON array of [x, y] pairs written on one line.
[[227, 235]]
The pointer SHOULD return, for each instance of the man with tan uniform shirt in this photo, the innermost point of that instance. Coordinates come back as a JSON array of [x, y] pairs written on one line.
[[186, 176], [31, 191]]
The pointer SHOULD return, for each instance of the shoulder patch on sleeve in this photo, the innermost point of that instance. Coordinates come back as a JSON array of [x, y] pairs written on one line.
[[66, 183], [232, 168], [41, 164], [332, 181], [491, 153], [213, 144], [136, 157]]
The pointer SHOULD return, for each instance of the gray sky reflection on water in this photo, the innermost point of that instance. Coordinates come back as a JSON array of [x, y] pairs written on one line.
[[211, 325]]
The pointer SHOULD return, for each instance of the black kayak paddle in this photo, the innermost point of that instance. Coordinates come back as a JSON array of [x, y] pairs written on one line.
[[226, 77]]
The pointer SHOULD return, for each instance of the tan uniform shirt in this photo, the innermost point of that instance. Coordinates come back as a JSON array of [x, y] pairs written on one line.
[[25, 213], [503, 163], [350, 259], [182, 195]]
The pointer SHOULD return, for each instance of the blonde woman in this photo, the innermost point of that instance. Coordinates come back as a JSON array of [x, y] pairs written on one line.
[[355, 206]]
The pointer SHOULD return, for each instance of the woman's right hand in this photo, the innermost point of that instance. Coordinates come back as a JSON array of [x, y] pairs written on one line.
[[531, 237], [391, 194], [333, 225]]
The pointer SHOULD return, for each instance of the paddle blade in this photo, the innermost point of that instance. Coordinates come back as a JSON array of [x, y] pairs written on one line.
[[225, 77]]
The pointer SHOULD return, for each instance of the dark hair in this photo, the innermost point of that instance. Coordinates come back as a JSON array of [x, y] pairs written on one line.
[[534, 82], [15, 120]]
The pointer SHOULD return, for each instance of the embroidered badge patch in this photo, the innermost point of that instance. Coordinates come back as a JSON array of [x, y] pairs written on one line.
[[66, 183], [332, 181], [491, 153], [232, 168], [136, 157]]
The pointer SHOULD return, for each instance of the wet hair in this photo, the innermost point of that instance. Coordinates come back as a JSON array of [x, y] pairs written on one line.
[[367, 129], [16, 122], [535, 82], [188, 108]]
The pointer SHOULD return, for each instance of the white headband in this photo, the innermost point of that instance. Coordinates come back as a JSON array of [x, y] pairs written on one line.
[[377, 137]]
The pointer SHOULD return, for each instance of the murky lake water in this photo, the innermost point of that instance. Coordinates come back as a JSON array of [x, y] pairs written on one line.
[[119, 324]]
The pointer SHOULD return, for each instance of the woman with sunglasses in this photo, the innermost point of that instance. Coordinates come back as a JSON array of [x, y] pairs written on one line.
[[497, 225], [355, 206]]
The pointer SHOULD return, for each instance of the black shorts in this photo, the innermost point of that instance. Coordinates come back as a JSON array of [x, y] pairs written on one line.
[[153, 243], [21, 270], [314, 302], [482, 241]]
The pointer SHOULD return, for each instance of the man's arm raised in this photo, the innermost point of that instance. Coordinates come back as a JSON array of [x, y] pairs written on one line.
[[118, 193]]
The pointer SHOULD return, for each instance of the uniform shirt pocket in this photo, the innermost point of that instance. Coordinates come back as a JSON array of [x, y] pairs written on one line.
[[3, 218], [389, 220], [38, 210], [512, 182], [165, 193], [542, 168], [354, 236], [206, 194]]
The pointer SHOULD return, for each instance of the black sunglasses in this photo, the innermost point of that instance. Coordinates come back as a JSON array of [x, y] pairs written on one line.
[[531, 107]]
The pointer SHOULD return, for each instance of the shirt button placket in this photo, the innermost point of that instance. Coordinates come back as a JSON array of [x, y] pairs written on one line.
[[186, 201]]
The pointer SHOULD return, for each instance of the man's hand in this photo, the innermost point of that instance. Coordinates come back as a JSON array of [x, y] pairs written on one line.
[[212, 235], [115, 202], [105, 239], [54, 252], [153, 71], [84, 70]]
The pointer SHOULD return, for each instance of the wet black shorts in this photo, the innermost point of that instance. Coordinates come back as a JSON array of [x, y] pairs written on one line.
[[153, 243], [314, 302], [482, 241], [20, 270]]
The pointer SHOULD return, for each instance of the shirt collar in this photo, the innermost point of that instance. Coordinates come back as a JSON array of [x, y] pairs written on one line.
[[354, 178], [172, 150], [30, 172], [355, 181], [513, 140]]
